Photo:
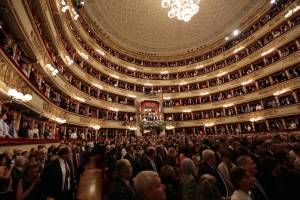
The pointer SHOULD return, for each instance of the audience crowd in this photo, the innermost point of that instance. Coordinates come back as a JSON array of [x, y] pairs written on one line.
[[43, 172], [185, 167]]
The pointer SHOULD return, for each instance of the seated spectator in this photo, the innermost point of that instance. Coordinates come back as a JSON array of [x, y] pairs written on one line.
[[187, 180], [242, 182], [148, 186], [121, 188], [29, 187], [208, 188]]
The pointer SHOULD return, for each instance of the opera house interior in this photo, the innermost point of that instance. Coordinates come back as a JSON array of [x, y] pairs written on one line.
[[149, 99]]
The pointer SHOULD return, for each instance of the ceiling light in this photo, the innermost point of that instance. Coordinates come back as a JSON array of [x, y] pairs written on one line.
[[227, 38], [236, 32], [166, 98], [182, 9], [267, 52], [132, 68], [183, 83], [273, 1], [187, 111], [16, 95], [148, 84]]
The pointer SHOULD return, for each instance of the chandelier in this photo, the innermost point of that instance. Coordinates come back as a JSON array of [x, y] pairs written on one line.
[[182, 9]]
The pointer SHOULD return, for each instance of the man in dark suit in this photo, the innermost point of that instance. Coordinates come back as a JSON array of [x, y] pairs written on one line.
[[148, 160], [121, 188], [258, 192], [59, 176], [208, 166]]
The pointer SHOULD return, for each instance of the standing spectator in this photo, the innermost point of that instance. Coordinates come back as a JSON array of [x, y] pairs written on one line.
[[23, 132], [148, 186], [208, 188], [148, 160], [257, 190], [187, 180], [4, 129], [35, 130], [296, 150], [29, 188], [224, 167], [11, 126], [242, 181], [121, 188], [17, 172], [169, 178], [59, 176], [208, 166]]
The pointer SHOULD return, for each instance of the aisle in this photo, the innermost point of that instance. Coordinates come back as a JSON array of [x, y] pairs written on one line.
[[90, 183]]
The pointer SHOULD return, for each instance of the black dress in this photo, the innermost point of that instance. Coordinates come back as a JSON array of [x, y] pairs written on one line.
[[36, 193]]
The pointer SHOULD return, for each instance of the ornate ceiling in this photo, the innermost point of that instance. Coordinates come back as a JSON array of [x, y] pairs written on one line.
[[143, 26]]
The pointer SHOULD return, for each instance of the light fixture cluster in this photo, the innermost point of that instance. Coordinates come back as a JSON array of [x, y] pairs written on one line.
[[19, 96], [52, 69], [95, 126], [64, 6], [60, 120], [79, 99], [247, 82], [83, 55], [74, 14], [234, 34], [281, 92], [101, 52], [292, 11], [69, 60], [267, 52], [209, 124], [255, 119], [182, 9], [170, 127], [238, 49]]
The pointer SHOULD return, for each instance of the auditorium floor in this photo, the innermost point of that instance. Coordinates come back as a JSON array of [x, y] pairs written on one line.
[[90, 183]]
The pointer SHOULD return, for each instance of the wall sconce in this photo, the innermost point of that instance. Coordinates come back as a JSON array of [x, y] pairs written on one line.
[[52, 69], [19, 96]]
